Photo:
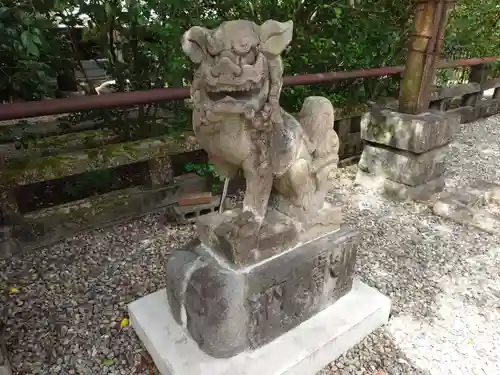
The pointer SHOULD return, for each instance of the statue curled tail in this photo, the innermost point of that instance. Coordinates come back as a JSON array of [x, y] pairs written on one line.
[[316, 119]]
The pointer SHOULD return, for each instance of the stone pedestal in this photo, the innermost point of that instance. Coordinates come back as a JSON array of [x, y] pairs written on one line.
[[229, 309], [304, 350], [8, 245], [405, 155], [4, 362]]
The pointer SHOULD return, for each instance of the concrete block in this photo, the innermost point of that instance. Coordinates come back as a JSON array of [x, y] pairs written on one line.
[[195, 198], [304, 350]]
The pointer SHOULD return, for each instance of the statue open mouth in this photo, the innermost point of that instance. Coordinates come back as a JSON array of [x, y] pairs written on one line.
[[244, 92]]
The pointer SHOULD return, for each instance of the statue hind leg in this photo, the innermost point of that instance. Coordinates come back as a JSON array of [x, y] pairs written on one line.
[[304, 186]]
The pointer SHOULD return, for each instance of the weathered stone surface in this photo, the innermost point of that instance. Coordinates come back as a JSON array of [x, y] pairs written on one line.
[[160, 171], [278, 232], [224, 234], [416, 133], [453, 208], [4, 362], [403, 166], [304, 350], [490, 84], [472, 205], [325, 219], [32, 170], [43, 227], [238, 120], [488, 107], [486, 192], [8, 245], [227, 309], [398, 190], [455, 90]]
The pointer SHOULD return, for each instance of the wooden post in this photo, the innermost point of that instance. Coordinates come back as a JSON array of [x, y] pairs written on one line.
[[423, 53]]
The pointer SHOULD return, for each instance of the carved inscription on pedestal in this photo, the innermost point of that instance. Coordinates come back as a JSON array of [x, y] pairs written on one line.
[[265, 311], [340, 271], [311, 286], [320, 264]]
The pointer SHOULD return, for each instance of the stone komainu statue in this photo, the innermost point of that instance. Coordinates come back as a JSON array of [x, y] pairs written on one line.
[[237, 119], [259, 271]]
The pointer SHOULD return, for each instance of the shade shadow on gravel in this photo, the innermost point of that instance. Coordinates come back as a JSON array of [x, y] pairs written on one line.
[[376, 354], [65, 316]]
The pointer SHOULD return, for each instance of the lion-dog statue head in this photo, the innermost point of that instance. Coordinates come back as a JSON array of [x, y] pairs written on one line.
[[239, 65]]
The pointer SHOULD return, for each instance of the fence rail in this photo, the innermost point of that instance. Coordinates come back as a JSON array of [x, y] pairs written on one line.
[[63, 157], [16, 111]]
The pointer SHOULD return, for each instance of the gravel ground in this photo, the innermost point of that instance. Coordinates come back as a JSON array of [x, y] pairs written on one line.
[[63, 305]]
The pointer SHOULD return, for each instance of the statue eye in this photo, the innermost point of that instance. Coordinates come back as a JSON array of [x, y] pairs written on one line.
[[250, 57]]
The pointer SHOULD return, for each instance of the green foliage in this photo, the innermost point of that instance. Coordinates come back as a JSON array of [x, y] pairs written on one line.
[[206, 170], [474, 30], [23, 69], [140, 40]]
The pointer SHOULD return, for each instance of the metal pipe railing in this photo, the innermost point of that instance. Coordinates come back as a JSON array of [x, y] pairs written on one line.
[[49, 107]]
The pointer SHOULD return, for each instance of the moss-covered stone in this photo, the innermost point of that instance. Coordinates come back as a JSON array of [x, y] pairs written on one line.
[[31, 170], [7, 201], [52, 224], [350, 111], [61, 144]]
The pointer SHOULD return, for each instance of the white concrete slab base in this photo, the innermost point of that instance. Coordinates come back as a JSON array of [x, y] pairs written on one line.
[[302, 351]]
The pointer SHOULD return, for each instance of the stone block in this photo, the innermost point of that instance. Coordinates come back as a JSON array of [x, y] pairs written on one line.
[[403, 166], [400, 191], [487, 192], [470, 205], [4, 361], [222, 233], [454, 208], [304, 350], [415, 133], [229, 309]]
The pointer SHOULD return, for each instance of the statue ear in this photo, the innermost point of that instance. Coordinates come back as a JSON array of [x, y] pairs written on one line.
[[275, 36], [194, 43]]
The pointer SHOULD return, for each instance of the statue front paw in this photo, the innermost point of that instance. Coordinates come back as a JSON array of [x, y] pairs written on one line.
[[238, 237], [248, 225]]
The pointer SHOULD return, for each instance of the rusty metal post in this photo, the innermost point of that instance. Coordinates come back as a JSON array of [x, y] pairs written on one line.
[[424, 50]]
